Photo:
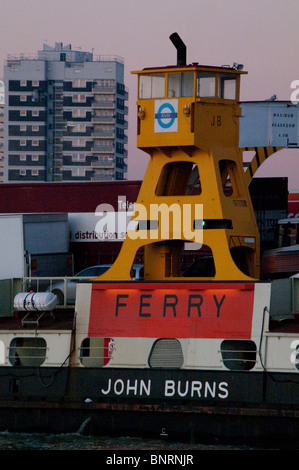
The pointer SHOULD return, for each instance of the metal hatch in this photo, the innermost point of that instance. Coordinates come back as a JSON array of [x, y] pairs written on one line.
[[166, 353]]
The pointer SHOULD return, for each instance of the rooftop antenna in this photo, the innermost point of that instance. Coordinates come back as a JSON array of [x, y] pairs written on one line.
[[180, 47]]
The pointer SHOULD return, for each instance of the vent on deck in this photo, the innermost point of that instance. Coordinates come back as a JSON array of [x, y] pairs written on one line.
[[166, 353]]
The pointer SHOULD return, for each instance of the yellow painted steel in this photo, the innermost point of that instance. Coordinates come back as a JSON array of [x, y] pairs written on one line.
[[188, 124], [261, 154]]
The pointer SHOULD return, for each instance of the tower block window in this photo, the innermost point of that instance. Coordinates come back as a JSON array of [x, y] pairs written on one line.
[[151, 86], [179, 179]]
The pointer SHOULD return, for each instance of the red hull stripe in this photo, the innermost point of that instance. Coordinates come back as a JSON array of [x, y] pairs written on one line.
[[171, 310]]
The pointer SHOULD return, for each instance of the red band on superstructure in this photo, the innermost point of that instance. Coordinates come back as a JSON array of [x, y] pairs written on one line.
[[172, 310]]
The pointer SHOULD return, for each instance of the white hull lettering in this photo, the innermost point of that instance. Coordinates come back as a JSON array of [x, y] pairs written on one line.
[[127, 387], [172, 388], [196, 389]]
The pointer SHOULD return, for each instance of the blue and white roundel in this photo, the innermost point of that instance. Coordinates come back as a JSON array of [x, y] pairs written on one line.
[[166, 115]]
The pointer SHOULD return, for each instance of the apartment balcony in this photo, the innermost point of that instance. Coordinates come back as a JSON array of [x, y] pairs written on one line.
[[103, 149], [103, 119], [57, 166], [123, 94], [102, 164], [122, 166], [122, 123], [59, 131], [103, 104], [122, 152], [58, 158], [123, 109], [122, 91], [97, 89], [57, 176], [122, 138], [103, 178], [103, 134], [58, 99], [58, 115]]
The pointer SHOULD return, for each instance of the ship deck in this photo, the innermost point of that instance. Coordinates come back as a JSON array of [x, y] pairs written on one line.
[[59, 319]]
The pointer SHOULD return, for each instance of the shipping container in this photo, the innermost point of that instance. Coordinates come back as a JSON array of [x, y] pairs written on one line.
[[34, 245]]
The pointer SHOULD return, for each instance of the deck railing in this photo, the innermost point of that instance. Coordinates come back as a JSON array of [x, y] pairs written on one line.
[[49, 284]]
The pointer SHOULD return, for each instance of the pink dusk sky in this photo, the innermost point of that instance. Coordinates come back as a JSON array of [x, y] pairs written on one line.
[[261, 34]]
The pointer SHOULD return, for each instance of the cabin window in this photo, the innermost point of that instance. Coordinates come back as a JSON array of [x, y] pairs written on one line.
[[27, 351], [180, 84], [151, 86], [179, 179], [238, 354], [96, 352], [166, 353], [206, 85], [227, 87]]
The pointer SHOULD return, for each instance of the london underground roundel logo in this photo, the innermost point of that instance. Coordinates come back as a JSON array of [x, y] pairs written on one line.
[[166, 116]]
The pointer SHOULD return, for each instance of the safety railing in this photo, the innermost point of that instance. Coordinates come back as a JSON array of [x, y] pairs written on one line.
[[64, 287]]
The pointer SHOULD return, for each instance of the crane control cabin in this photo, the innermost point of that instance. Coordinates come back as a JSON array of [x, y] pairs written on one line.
[[194, 190]]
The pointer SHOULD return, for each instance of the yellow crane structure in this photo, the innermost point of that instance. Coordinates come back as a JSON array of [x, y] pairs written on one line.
[[195, 189]]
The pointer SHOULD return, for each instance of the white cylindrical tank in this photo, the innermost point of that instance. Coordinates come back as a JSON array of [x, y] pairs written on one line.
[[34, 301]]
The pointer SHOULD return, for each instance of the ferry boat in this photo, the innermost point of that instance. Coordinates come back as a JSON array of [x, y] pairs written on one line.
[[201, 350]]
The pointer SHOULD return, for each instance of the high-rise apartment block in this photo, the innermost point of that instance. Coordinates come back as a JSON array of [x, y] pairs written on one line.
[[65, 117]]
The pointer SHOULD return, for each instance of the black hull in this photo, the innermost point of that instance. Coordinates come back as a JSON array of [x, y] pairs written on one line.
[[253, 406]]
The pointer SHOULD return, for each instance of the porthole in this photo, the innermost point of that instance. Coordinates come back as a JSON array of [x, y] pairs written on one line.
[[238, 354], [96, 352], [29, 352]]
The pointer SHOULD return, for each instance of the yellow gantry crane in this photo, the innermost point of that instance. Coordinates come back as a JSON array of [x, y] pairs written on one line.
[[194, 189]]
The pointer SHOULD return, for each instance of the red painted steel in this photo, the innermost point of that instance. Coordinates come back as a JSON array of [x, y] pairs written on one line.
[[172, 310], [64, 197]]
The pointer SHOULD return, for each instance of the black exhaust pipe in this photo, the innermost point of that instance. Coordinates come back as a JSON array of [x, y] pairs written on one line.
[[180, 47]]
